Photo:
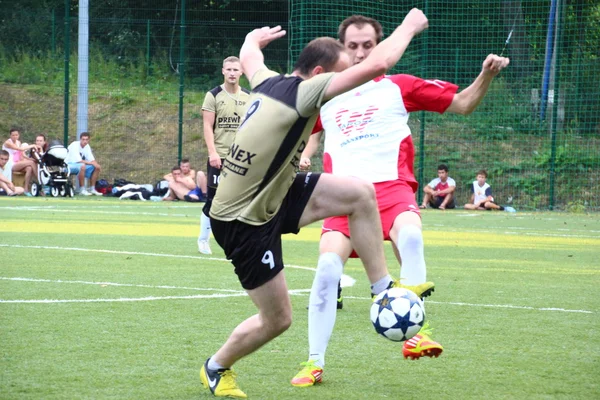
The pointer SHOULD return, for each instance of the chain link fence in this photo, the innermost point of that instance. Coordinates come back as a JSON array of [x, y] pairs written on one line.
[[150, 62]]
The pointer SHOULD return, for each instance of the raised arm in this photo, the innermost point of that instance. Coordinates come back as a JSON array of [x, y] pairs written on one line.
[[251, 56], [382, 58], [467, 100]]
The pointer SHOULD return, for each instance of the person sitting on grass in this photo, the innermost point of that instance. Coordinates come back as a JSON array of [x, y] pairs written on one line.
[[17, 162], [7, 188], [183, 187], [198, 193], [481, 197], [439, 193]]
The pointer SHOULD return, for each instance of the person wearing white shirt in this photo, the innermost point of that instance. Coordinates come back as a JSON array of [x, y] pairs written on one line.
[[439, 193], [81, 162], [481, 194]]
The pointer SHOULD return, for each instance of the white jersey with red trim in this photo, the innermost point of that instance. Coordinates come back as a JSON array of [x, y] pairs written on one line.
[[366, 129]]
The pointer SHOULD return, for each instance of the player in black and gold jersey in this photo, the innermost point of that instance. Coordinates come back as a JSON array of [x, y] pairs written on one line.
[[222, 112], [260, 196]]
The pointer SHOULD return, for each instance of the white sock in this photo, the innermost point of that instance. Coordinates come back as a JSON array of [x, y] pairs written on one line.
[[213, 365], [204, 228], [410, 247], [381, 284], [322, 307]]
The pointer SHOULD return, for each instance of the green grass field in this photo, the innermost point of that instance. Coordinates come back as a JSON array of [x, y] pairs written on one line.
[[109, 299]]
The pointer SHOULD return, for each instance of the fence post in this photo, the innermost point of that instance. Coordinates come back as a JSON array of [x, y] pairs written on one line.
[[560, 12], [423, 114], [456, 64], [53, 33], [181, 78], [66, 93], [148, 72]]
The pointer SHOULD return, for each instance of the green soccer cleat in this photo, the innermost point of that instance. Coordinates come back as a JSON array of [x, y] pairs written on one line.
[[310, 375], [221, 382], [340, 299]]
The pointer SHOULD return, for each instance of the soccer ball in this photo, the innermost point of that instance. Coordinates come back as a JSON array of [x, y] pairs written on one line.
[[397, 314]]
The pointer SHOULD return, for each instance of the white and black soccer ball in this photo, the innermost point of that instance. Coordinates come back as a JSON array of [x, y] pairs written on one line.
[[397, 314]]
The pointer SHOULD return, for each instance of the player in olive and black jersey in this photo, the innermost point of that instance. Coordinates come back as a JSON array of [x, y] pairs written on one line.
[[222, 112], [260, 196]]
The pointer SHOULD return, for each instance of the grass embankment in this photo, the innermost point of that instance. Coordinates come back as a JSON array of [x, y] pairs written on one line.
[[135, 135]]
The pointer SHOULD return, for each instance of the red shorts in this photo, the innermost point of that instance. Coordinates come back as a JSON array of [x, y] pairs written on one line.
[[393, 198]]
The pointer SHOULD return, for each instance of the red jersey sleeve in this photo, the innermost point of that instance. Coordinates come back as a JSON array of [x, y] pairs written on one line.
[[424, 94], [318, 126]]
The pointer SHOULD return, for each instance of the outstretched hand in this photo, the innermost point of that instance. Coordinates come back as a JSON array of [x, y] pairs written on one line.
[[265, 35], [416, 20], [493, 64]]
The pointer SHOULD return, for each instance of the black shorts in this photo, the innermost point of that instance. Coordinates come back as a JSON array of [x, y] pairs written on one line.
[[437, 201], [255, 251], [212, 182]]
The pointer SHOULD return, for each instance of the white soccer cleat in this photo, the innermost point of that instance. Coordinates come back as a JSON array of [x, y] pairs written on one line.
[[97, 193], [84, 192], [203, 247]]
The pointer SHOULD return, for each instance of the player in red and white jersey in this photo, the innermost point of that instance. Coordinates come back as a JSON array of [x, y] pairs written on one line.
[[367, 136]]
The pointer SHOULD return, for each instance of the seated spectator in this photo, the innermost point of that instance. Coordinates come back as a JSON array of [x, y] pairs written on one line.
[[186, 170], [7, 188], [199, 192], [81, 162], [17, 162], [183, 187], [481, 197], [439, 193]]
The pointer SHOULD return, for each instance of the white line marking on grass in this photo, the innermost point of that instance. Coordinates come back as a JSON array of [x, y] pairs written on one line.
[[347, 280], [453, 303], [511, 306], [118, 284], [98, 212], [229, 293], [124, 299]]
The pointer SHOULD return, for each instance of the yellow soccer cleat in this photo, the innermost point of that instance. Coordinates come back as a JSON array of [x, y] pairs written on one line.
[[421, 345], [310, 375], [221, 382], [421, 290]]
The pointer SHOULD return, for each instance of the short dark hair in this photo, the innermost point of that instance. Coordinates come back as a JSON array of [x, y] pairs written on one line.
[[323, 51], [184, 160], [176, 168], [482, 172], [4, 153], [13, 130], [443, 167], [360, 21], [87, 134]]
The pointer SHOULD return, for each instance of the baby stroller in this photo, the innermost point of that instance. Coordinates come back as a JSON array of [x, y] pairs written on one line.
[[53, 171]]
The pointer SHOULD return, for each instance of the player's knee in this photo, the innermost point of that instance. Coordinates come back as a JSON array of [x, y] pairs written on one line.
[[283, 321], [329, 269], [366, 194], [410, 236]]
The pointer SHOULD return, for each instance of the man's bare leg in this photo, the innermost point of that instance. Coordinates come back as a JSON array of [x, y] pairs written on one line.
[[274, 317]]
